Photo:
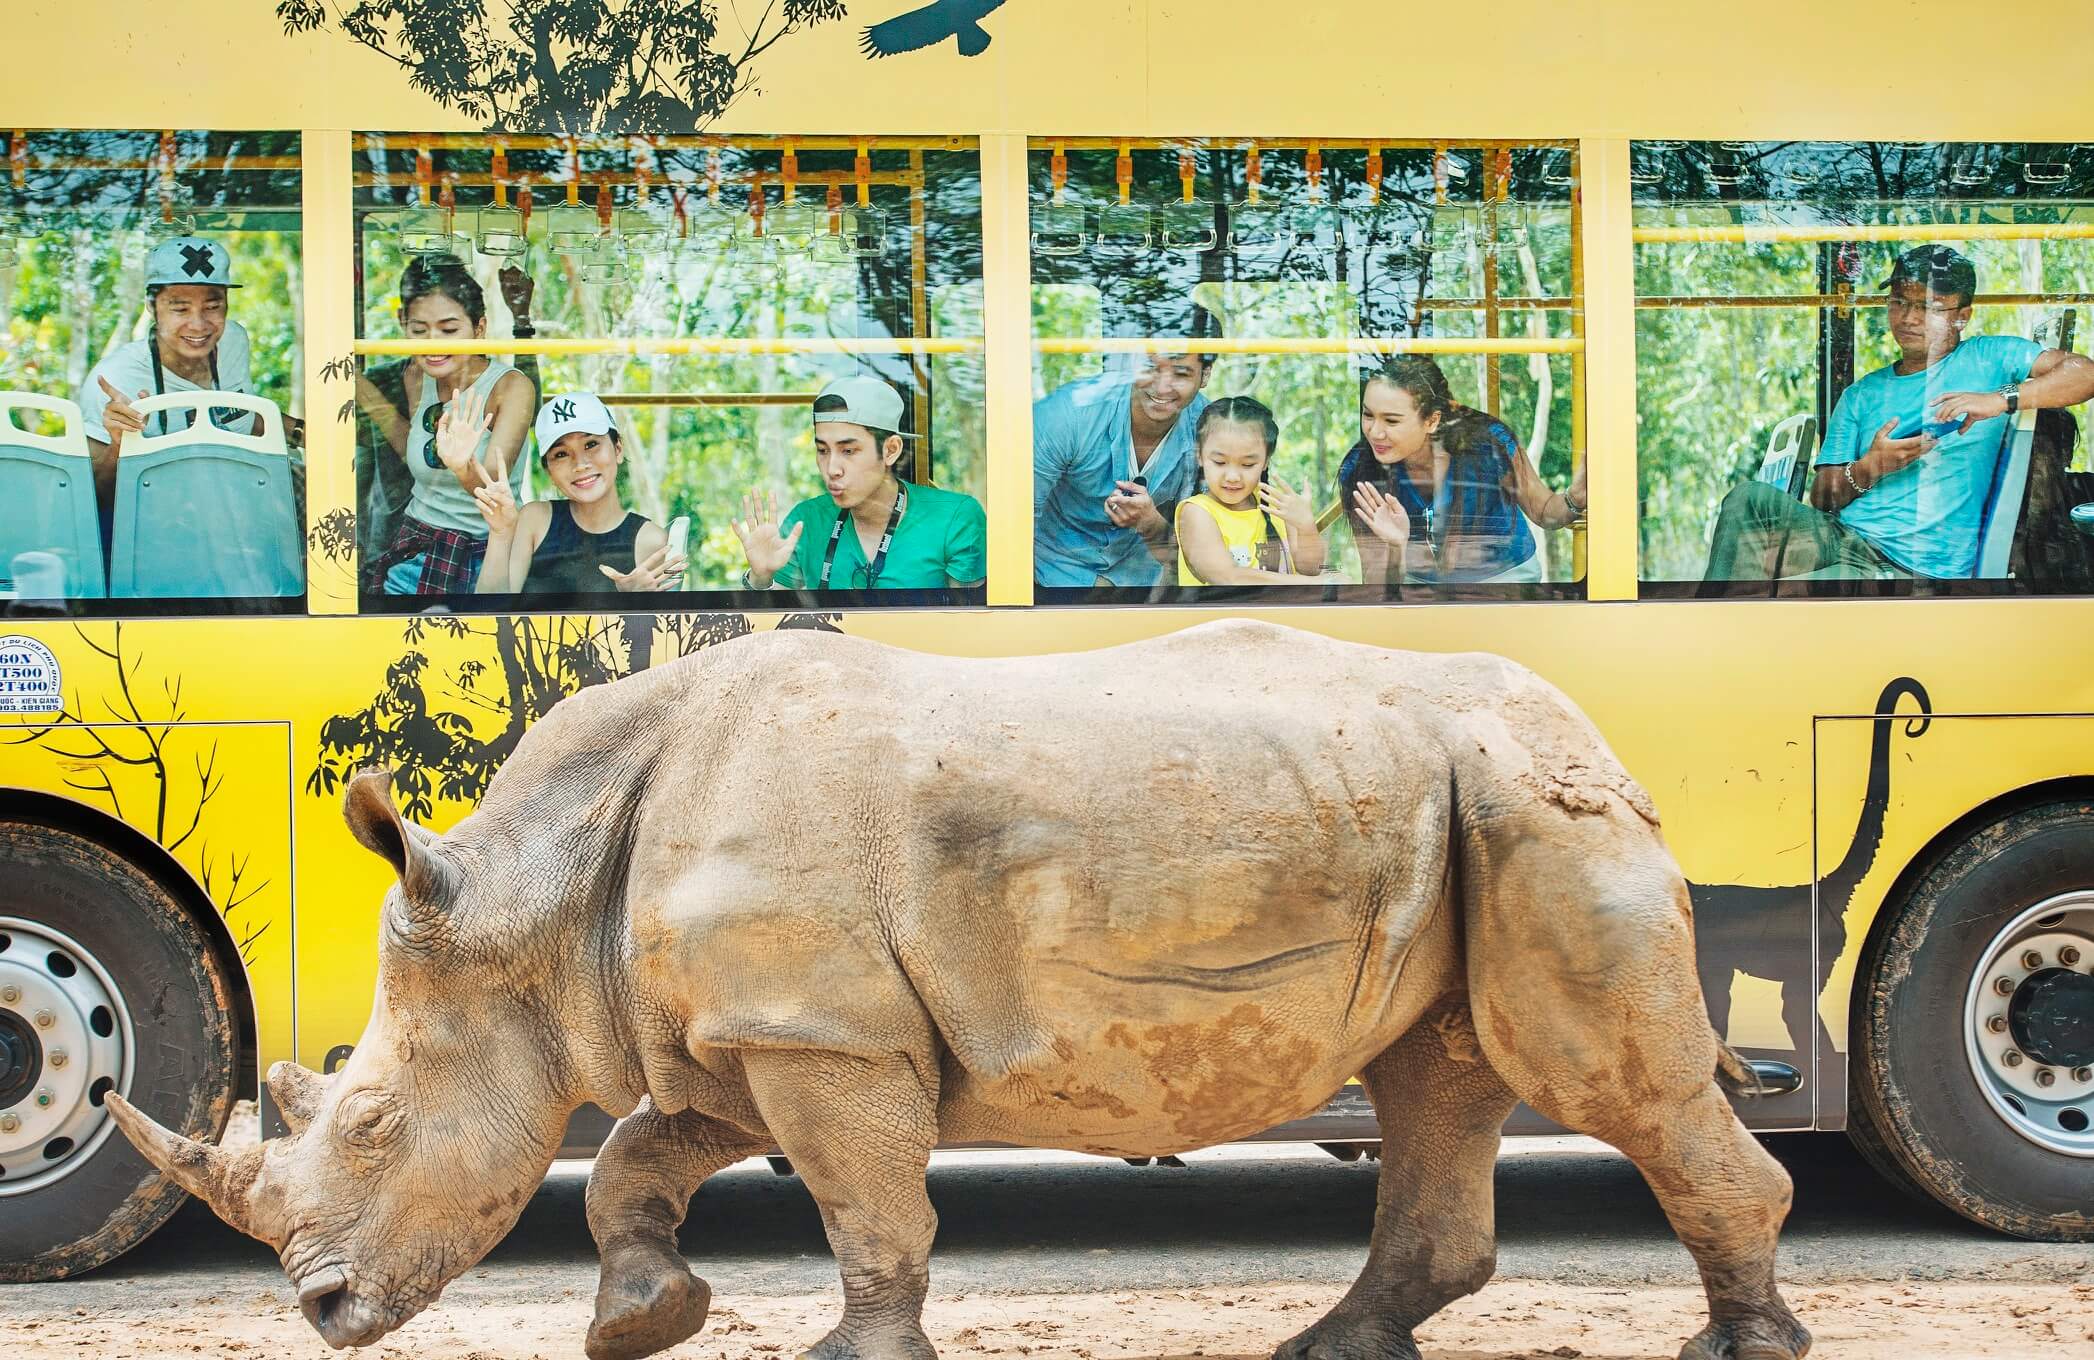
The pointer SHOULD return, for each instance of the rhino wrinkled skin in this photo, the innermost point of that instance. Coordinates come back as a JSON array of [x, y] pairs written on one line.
[[812, 892]]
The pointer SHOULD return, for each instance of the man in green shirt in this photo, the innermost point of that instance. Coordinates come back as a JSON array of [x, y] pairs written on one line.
[[874, 530]]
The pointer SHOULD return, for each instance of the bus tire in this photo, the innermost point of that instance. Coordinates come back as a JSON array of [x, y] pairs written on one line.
[[1972, 1074], [91, 938]]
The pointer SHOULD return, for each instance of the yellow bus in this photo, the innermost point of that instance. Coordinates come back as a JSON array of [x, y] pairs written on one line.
[[1662, 266]]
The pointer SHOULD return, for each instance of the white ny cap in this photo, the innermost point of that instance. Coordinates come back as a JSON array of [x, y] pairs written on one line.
[[565, 414], [867, 401], [189, 259]]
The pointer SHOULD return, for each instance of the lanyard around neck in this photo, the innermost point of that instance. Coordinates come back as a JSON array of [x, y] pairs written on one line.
[[894, 518], [160, 377]]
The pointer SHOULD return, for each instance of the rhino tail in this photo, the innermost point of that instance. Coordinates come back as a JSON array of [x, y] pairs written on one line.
[[1735, 1075]]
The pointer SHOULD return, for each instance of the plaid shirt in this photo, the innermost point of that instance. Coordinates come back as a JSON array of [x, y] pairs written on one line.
[[451, 559]]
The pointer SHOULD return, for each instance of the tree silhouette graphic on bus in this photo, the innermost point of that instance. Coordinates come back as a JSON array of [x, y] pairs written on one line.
[[569, 66], [930, 25], [1766, 932]]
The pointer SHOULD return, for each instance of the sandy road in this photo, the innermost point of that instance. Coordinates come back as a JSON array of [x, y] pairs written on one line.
[[1053, 1256]]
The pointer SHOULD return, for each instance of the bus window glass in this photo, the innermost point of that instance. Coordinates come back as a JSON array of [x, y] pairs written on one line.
[[150, 435], [733, 371], [1305, 370], [1856, 370]]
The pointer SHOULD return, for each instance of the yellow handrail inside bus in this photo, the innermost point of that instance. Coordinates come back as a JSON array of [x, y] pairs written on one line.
[[1760, 233], [672, 344], [1345, 344], [612, 143], [706, 398]]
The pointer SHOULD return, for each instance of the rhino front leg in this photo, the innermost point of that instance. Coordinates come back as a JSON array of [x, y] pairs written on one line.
[[1440, 1105], [860, 1132], [647, 1299]]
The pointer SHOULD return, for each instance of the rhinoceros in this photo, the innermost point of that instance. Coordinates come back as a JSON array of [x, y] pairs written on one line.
[[810, 892]]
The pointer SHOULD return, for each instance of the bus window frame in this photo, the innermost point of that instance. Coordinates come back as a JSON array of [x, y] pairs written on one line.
[[1836, 304], [357, 348], [1490, 306], [166, 165]]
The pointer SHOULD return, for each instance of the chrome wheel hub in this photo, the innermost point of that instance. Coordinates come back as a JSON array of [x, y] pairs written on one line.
[[65, 1042], [2029, 1024]]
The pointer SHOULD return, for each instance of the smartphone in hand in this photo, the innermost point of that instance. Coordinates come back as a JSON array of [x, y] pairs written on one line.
[[1918, 423], [680, 536]]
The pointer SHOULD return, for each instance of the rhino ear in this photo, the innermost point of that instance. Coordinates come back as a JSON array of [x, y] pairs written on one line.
[[298, 1092], [367, 805]]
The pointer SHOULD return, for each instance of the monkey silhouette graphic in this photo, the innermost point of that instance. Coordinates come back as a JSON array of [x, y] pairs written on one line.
[[930, 25]]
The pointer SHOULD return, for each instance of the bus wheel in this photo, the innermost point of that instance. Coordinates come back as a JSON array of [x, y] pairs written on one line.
[[1974, 1064], [105, 985]]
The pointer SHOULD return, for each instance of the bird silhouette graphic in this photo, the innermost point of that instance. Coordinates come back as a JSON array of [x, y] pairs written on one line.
[[929, 25]]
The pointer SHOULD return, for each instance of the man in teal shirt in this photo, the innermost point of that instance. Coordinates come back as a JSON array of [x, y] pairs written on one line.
[[874, 530], [1910, 453]]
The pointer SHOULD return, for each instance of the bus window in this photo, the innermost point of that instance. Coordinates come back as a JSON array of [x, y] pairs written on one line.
[[1304, 370], [724, 371], [1855, 367], [150, 439]]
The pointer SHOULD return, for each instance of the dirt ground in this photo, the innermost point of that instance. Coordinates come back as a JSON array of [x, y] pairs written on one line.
[[1620, 1292], [1510, 1320]]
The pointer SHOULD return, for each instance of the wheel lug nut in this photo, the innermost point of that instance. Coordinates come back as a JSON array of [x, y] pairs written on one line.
[[2010, 1058], [57, 1057], [2068, 956], [2083, 1074], [8, 1123], [1997, 1024], [44, 1097], [2032, 960], [2046, 1077], [2005, 986], [10, 994], [44, 1019]]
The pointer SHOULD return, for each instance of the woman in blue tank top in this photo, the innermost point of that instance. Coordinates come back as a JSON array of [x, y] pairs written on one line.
[[586, 542], [1439, 493]]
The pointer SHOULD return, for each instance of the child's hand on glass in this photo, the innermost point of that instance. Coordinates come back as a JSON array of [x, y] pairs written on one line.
[[1284, 503]]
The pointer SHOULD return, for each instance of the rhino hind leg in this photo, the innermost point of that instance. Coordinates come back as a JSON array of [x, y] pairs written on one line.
[[647, 1299], [1440, 1105], [859, 1132], [1582, 980]]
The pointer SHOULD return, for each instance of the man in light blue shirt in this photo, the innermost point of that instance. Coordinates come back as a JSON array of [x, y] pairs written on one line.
[[1111, 455], [1910, 453]]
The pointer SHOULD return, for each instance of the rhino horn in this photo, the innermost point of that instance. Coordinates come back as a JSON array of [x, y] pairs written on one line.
[[224, 1180], [298, 1092], [367, 805]]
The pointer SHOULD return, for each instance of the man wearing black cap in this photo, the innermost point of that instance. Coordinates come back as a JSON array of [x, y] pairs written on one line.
[[1909, 455]]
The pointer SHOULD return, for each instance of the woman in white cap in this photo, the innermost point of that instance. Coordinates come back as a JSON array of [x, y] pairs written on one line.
[[587, 541], [193, 346], [437, 549], [874, 530]]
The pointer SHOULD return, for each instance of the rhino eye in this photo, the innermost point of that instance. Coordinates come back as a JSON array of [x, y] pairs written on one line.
[[370, 1121]]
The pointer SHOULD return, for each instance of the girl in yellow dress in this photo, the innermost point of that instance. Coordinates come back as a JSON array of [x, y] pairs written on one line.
[[1247, 527]]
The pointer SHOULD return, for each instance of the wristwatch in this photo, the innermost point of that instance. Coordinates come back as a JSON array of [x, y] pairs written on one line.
[[524, 330], [2011, 394]]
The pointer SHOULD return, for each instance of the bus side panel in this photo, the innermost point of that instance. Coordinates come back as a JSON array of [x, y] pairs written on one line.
[[1923, 777], [215, 795]]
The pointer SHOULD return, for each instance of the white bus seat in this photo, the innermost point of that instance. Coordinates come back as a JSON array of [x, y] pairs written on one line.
[[205, 512], [2010, 484], [1790, 448], [48, 508]]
